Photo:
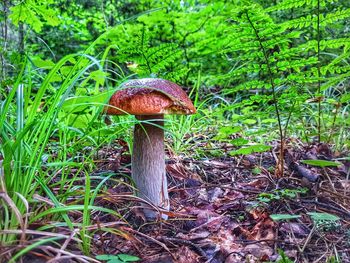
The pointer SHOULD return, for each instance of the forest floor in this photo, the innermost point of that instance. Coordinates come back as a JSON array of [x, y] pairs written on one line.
[[228, 209], [234, 209]]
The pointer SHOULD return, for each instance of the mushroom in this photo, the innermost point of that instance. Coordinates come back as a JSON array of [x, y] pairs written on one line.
[[149, 99]]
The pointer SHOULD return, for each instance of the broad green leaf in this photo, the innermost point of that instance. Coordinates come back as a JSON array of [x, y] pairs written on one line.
[[277, 217], [119, 258], [229, 130], [224, 132], [34, 14], [44, 64], [99, 76], [251, 149], [22, 13], [323, 216], [321, 163], [76, 104], [249, 121], [106, 257], [79, 121], [269, 121], [128, 258], [239, 141]]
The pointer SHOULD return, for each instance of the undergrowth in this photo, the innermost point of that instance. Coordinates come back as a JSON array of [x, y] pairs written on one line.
[[257, 73]]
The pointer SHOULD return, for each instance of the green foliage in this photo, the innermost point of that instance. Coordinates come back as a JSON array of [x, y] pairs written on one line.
[[224, 132], [119, 258], [284, 258], [41, 135], [277, 217], [279, 194], [323, 217], [34, 13], [332, 259], [257, 148], [146, 60], [284, 53], [321, 163], [325, 222]]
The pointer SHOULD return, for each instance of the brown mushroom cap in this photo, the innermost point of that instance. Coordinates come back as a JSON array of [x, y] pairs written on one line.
[[149, 97]]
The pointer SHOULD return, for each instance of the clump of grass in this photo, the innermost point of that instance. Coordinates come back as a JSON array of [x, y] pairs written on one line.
[[42, 167]]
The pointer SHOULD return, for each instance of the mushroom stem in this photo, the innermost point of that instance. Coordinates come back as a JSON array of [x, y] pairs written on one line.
[[148, 163]]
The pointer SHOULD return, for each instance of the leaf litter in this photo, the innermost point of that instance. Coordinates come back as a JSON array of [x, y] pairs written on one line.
[[228, 209]]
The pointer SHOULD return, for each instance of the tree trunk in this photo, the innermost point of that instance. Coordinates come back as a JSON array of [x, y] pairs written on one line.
[[4, 40]]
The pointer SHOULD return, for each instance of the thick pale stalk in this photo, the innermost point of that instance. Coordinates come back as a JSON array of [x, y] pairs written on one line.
[[148, 164]]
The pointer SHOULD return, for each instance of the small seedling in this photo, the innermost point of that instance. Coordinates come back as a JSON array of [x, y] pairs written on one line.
[[325, 222], [281, 194], [284, 258], [256, 170]]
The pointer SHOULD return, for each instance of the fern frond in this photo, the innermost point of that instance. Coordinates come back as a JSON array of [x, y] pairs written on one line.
[[292, 4], [143, 40], [331, 18], [335, 81], [335, 43], [161, 62], [332, 69], [301, 22]]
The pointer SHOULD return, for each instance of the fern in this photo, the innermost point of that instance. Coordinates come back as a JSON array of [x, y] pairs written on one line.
[[150, 60], [289, 51], [290, 4], [331, 18], [319, 20]]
